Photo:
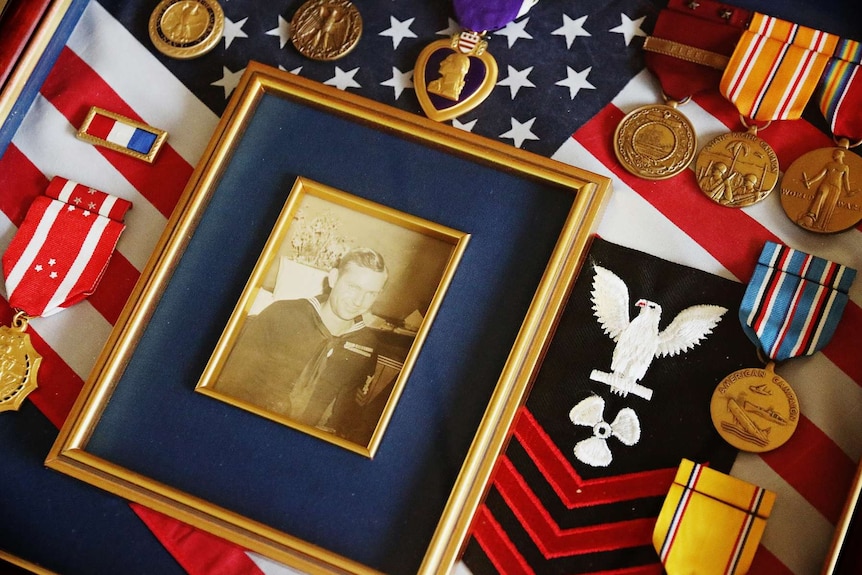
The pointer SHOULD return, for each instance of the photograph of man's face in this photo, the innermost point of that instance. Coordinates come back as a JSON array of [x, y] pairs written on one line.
[[333, 321]]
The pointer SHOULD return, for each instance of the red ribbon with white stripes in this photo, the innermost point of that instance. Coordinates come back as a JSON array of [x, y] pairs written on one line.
[[61, 250]]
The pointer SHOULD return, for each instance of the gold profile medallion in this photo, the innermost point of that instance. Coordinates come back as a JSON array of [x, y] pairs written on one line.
[[655, 142], [755, 409], [326, 29], [737, 169], [19, 363], [186, 29], [819, 190]]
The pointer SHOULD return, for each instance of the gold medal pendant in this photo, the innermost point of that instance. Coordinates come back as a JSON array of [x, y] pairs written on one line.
[[454, 76], [19, 363], [655, 142], [755, 409], [186, 29], [818, 190], [737, 169], [326, 29]]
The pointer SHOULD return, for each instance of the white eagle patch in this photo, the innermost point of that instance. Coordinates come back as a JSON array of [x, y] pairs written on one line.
[[639, 340]]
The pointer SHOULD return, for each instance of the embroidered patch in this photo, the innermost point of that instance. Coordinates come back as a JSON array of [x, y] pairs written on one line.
[[582, 479], [639, 340]]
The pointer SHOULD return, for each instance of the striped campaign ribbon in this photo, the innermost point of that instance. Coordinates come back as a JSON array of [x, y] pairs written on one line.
[[60, 252], [710, 522], [775, 68], [840, 90], [794, 301]]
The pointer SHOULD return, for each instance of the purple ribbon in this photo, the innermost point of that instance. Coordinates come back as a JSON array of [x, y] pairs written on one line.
[[483, 15]]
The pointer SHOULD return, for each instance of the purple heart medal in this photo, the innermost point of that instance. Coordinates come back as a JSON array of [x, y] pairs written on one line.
[[454, 76]]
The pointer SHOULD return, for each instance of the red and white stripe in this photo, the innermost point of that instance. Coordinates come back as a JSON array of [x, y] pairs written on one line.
[[812, 473]]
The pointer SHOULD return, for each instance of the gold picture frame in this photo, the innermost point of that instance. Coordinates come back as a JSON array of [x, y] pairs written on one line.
[[317, 227], [139, 429]]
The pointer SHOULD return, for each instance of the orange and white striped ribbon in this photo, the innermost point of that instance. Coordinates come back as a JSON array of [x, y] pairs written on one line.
[[775, 68]]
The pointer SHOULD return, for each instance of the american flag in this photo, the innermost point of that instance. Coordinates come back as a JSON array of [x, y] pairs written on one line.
[[569, 72]]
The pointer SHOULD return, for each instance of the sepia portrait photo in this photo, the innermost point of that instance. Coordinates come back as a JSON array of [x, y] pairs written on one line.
[[333, 315]]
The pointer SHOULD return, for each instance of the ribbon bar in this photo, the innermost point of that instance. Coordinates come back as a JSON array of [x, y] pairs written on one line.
[[794, 301], [710, 523], [775, 68], [841, 90], [61, 250]]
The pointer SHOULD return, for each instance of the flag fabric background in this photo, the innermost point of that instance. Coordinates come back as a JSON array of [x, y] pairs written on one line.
[[569, 72]]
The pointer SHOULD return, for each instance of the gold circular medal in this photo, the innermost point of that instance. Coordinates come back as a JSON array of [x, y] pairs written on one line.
[[818, 193], [326, 29], [186, 28], [754, 409], [737, 169], [655, 142]]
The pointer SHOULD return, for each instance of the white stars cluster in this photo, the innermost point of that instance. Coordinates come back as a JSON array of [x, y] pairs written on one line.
[[571, 81]]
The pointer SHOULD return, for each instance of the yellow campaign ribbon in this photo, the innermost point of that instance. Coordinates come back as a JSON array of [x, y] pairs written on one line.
[[775, 68], [710, 523]]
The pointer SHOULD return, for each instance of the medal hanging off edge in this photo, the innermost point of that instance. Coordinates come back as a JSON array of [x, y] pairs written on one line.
[[739, 169], [687, 53], [791, 308], [820, 189], [56, 259], [454, 76]]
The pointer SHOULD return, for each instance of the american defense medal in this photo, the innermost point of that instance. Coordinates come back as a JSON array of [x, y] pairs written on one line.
[[687, 53], [820, 191], [741, 169], [326, 29], [790, 309], [454, 76], [186, 29], [56, 259]]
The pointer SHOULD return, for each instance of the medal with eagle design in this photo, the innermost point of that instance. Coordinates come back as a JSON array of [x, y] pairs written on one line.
[[326, 29]]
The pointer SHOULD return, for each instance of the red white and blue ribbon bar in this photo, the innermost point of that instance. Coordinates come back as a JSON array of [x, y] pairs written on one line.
[[794, 301], [61, 250], [122, 134]]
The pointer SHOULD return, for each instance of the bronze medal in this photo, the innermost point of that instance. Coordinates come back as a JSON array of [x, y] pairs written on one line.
[[818, 190], [655, 142], [19, 363], [326, 29], [755, 409], [186, 29], [737, 169]]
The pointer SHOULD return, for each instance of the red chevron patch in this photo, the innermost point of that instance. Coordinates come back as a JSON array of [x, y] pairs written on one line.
[[574, 491]]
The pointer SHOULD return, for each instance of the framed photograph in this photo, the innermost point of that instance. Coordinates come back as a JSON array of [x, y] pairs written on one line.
[[291, 156], [329, 324]]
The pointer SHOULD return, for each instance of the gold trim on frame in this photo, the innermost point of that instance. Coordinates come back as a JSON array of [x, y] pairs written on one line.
[[69, 453]]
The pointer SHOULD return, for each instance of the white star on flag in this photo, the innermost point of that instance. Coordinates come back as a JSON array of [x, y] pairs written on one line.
[[343, 80], [516, 80], [77, 200], [571, 29], [52, 261], [53, 275], [575, 81], [398, 30], [228, 81], [92, 206], [37, 267], [630, 28], [282, 31], [515, 30], [520, 132], [233, 30], [399, 81]]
